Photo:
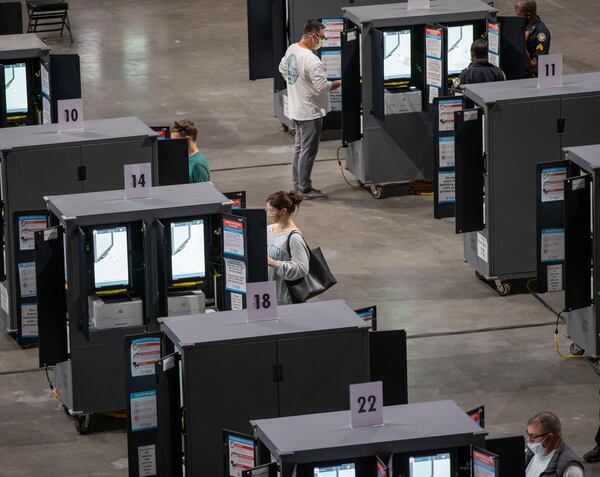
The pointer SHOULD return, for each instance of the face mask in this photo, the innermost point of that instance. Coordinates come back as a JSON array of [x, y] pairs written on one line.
[[319, 44], [536, 448]]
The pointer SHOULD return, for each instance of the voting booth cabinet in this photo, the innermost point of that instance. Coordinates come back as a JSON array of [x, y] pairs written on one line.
[[515, 126], [395, 62], [226, 370], [431, 439], [37, 161], [108, 267], [567, 233], [273, 25], [34, 80]]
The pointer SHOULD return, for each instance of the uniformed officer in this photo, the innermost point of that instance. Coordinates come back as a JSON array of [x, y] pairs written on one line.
[[480, 70], [537, 35]]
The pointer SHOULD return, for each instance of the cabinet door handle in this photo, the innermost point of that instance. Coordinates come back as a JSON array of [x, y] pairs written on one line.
[[81, 173]]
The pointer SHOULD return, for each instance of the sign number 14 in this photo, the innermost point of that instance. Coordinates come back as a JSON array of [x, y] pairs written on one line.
[[138, 180]]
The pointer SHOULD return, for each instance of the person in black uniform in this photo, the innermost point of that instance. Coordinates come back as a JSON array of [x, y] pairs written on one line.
[[480, 70], [537, 35]]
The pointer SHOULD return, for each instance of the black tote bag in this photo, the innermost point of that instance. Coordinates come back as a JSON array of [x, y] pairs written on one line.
[[318, 279]]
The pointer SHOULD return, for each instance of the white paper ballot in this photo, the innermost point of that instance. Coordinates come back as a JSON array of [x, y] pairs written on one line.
[[143, 411], [235, 275], [147, 460], [554, 275], [553, 183], [27, 279], [446, 151], [553, 245], [446, 189]]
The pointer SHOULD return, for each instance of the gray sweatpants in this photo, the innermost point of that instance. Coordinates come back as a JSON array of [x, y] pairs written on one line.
[[306, 146]]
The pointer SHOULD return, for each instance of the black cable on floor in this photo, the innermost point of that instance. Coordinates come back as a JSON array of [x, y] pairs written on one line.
[[21, 371], [258, 166], [479, 330]]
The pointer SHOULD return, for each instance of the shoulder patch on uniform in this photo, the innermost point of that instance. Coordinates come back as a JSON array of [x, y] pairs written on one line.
[[541, 36], [540, 47]]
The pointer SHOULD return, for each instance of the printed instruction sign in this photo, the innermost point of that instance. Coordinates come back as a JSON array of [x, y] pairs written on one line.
[[555, 277], [482, 247], [29, 320], [233, 237], [553, 245], [446, 187], [335, 97], [433, 61], [333, 32], [241, 455], [145, 352], [553, 183], [332, 63], [235, 275], [143, 411], [447, 108], [261, 301], [28, 225], [493, 30], [446, 151], [27, 279], [147, 460], [366, 404], [237, 301]]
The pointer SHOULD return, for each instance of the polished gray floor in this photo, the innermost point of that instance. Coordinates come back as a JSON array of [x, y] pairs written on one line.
[[166, 60]]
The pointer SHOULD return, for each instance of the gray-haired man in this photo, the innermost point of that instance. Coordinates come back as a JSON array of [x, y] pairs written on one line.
[[308, 101]]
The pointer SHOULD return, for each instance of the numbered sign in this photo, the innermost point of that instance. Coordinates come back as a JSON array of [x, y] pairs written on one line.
[[138, 180], [261, 301], [70, 115], [366, 404], [550, 71]]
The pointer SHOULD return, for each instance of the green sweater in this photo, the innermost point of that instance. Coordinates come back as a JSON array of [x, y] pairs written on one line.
[[198, 168]]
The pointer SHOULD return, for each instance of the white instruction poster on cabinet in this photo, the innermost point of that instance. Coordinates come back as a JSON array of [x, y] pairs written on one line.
[[235, 275], [147, 460], [446, 187], [143, 411], [237, 301], [335, 97], [145, 352], [555, 277], [332, 63], [27, 279], [553, 245], [28, 225], [446, 151], [233, 237], [447, 108], [333, 32], [29, 320], [482, 247], [553, 183]]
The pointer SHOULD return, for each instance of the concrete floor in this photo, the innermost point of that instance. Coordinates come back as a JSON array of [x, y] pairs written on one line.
[[166, 60]]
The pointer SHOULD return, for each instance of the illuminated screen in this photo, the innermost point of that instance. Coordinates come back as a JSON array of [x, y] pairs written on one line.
[[111, 266], [187, 249], [342, 470], [437, 465], [396, 55], [460, 39], [15, 83], [484, 464]]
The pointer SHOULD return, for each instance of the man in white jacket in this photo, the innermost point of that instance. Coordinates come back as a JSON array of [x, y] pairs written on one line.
[[308, 101]]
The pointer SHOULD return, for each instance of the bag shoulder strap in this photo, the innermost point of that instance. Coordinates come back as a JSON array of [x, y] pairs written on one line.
[[295, 232]]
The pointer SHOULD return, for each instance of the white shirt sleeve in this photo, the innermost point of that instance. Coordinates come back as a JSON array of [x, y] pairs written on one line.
[[317, 77], [283, 67], [574, 471]]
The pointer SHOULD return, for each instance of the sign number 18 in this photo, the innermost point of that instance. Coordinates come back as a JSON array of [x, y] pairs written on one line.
[[263, 301]]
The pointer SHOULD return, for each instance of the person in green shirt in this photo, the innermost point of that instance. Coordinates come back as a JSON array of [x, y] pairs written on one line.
[[198, 165]]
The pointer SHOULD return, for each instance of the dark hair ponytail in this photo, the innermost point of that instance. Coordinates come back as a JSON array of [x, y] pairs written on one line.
[[285, 200]]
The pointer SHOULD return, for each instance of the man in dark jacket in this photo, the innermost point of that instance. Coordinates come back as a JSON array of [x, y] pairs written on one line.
[[480, 70], [547, 454], [537, 35]]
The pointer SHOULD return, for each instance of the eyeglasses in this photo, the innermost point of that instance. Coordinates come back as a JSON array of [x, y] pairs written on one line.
[[532, 437], [321, 37]]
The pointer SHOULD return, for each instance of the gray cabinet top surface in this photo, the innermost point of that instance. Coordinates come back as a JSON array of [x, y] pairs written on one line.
[[527, 90], [45, 135], [587, 157], [191, 330], [26, 45], [398, 13], [78, 207], [314, 432]]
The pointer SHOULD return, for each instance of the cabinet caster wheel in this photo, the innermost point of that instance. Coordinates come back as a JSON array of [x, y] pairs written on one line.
[[377, 192], [597, 367], [285, 128], [576, 350], [479, 276], [82, 423], [502, 288]]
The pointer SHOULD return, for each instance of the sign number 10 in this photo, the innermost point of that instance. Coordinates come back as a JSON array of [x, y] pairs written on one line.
[[71, 115]]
